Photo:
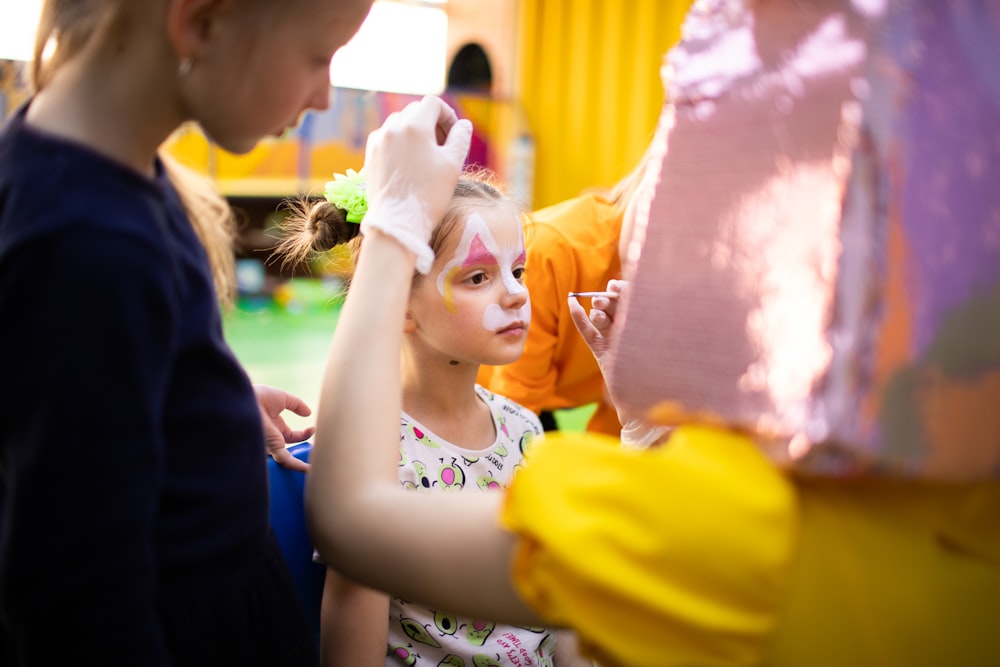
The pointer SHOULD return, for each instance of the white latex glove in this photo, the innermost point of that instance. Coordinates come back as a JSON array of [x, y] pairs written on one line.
[[596, 329], [412, 164]]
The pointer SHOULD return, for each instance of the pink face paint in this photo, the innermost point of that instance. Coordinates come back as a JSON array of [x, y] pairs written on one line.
[[479, 254]]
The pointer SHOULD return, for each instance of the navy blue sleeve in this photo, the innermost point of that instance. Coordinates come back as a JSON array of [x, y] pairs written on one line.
[[85, 371]]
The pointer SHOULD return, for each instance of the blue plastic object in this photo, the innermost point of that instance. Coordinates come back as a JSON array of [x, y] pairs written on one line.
[[288, 520]]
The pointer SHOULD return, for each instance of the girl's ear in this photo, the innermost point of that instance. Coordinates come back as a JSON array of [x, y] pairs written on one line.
[[189, 25]]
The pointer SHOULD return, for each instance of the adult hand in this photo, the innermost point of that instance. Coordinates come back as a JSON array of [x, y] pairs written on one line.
[[277, 434], [596, 328], [412, 164]]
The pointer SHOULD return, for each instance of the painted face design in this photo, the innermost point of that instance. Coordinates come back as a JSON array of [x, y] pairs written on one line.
[[478, 247]]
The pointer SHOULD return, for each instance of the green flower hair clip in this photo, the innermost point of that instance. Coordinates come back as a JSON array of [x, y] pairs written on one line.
[[347, 192]]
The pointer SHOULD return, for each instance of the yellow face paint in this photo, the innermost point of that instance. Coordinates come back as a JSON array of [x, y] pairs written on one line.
[[448, 293]]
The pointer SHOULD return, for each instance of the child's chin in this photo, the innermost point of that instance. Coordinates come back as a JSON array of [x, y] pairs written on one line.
[[503, 360]]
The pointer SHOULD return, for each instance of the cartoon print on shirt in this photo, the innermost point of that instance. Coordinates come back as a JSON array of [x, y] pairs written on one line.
[[481, 660], [421, 437], [525, 442], [502, 425], [451, 475], [423, 479], [404, 654], [446, 623], [451, 660], [418, 633], [479, 631], [487, 482]]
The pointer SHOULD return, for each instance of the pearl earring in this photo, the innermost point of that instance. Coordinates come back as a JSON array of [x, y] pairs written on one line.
[[185, 67]]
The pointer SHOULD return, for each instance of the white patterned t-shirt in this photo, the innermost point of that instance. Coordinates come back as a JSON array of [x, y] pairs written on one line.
[[422, 636]]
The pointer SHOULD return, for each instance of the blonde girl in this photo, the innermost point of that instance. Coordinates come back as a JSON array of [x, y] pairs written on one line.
[[133, 494]]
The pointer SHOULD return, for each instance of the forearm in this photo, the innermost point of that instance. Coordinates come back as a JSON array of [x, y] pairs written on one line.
[[357, 436], [355, 623]]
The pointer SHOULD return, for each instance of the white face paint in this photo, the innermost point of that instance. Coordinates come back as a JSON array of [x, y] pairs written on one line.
[[496, 318], [479, 247]]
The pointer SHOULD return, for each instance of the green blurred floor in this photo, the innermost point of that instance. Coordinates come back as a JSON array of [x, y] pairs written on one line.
[[283, 342]]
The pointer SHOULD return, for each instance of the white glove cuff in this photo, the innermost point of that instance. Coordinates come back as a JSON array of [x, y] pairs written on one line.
[[637, 434], [402, 227]]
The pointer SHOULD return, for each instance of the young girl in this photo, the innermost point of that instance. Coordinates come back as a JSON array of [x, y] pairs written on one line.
[[471, 308], [133, 492]]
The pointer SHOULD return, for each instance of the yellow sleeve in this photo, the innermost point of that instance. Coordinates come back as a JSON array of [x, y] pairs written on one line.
[[676, 555]]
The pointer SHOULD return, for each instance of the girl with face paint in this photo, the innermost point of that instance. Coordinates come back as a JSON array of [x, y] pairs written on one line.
[[470, 309]]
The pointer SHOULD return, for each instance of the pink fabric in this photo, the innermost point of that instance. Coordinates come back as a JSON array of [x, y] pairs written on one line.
[[820, 263]]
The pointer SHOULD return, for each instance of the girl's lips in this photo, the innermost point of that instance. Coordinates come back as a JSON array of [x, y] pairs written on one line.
[[512, 329]]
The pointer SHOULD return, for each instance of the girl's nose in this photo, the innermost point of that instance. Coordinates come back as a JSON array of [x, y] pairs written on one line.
[[515, 297], [320, 99]]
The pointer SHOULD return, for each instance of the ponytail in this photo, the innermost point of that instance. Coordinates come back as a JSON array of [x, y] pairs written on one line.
[[312, 228]]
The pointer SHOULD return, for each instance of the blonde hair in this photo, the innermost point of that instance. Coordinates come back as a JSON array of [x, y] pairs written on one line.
[[623, 191], [68, 25], [213, 221]]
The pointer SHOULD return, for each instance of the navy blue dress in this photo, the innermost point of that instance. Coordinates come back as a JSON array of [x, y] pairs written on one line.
[[133, 491]]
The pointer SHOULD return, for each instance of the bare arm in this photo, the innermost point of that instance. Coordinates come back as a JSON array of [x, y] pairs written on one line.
[[363, 523], [355, 623], [568, 651]]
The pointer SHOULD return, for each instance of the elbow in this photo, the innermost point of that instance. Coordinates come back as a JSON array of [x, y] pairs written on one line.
[[344, 526], [326, 528]]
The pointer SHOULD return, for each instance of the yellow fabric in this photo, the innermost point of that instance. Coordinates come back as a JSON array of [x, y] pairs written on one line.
[[881, 579], [671, 556], [700, 552], [571, 247]]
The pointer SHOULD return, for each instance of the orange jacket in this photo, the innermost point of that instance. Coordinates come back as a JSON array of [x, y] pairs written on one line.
[[571, 246]]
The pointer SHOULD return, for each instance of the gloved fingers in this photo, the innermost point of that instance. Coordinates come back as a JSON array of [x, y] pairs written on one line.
[[410, 176], [458, 141]]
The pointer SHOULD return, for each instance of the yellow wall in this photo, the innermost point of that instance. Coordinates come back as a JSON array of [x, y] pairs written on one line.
[[590, 87]]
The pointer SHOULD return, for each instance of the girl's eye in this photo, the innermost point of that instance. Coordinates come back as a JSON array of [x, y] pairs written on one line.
[[519, 273], [477, 278]]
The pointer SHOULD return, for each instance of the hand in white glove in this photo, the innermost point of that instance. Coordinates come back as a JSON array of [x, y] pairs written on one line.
[[412, 164], [597, 331]]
